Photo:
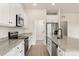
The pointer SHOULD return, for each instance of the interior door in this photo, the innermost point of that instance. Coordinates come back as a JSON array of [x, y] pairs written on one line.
[[39, 29]]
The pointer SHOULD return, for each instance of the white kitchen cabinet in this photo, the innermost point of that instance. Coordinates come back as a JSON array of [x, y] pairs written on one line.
[[12, 15], [8, 13], [20, 49], [4, 14], [15, 9], [11, 53], [30, 41], [17, 51], [52, 18], [60, 52], [19, 10]]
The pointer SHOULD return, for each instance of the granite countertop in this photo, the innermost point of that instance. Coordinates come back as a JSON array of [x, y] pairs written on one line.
[[6, 45], [67, 44]]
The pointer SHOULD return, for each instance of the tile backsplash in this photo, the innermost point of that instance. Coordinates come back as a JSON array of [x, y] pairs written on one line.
[[4, 31]]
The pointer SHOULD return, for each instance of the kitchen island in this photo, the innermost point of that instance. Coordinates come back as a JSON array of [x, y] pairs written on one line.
[[68, 45]]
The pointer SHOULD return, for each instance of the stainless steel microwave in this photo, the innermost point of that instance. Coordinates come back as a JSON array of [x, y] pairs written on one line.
[[19, 21]]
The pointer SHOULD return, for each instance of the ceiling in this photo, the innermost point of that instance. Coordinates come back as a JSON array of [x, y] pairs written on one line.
[[64, 7]]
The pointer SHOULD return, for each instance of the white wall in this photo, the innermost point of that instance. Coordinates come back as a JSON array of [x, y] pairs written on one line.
[[34, 15], [4, 31], [73, 24]]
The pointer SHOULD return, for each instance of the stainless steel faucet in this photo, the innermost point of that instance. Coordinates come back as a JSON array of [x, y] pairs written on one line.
[[59, 36]]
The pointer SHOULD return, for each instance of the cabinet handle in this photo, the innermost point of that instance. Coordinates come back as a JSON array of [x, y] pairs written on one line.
[[21, 51], [10, 22], [59, 50], [17, 47]]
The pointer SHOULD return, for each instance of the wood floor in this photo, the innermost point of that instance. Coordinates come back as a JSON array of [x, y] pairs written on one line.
[[38, 50]]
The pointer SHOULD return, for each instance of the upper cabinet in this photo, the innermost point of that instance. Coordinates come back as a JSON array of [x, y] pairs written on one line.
[[4, 14], [52, 18], [19, 10], [8, 13], [12, 15], [15, 9]]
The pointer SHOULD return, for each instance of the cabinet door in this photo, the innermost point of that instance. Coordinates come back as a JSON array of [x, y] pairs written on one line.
[[12, 15], [20, 49], [15, 9], [60, 52], [20, 10], [30, 41], [4, 14], [12, 52], [8, 13]]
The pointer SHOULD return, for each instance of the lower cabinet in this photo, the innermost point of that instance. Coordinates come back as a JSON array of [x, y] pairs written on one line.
[[30, 41], [11, 53], [16, 51], [60, 52], [20, 49]]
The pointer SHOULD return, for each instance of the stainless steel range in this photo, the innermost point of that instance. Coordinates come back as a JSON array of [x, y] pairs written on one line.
[[13, 35]]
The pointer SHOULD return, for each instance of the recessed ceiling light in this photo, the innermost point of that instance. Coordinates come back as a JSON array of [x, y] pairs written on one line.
[[34, 4], [53, 4]]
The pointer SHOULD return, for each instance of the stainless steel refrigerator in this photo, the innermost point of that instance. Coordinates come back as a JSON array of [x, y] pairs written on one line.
[[51, 28]]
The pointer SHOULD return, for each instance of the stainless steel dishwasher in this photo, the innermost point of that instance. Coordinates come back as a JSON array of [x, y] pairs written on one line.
[[26, 45], [54, 49]]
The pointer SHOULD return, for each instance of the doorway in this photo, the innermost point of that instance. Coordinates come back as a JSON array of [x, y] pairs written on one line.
[[39, 30]]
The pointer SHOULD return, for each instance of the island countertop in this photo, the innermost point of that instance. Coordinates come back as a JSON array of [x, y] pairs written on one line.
[[67, 44]]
